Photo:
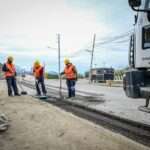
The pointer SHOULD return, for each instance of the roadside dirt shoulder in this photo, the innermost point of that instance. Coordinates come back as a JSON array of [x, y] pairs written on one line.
[[36, 125]]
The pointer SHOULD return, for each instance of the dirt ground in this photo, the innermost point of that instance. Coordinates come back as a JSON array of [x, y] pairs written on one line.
[[36, 125]]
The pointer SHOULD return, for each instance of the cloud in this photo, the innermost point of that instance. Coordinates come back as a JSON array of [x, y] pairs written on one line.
[[28, 27], [39, 22]]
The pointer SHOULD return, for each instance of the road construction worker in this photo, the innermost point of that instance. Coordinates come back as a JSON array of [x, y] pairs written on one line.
[[38, 71], [70, 73], [10, 76]]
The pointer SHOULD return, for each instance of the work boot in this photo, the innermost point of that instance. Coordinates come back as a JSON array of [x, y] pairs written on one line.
[[17, 94], [38, 95], [44, 94], [10, 95]]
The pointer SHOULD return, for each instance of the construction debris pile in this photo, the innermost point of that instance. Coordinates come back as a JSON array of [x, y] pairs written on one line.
[[3, 123]]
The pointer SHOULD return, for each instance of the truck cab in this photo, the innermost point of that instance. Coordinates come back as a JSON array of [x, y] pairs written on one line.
[[142, 37], [137, 77]]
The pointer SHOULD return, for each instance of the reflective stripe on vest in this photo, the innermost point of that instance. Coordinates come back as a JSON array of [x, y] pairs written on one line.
[[69, 72], [11, 71], [37, 71]]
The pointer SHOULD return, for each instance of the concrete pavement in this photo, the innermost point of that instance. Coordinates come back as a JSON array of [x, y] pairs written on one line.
[[115, 100]]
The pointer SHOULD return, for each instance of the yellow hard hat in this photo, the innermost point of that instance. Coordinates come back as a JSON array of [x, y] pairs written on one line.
[[66, 61], [10, 58], [37, 63]]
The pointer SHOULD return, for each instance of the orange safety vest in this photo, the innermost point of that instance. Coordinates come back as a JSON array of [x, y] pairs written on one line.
[[37, 71], [11, 71], [69, 72]]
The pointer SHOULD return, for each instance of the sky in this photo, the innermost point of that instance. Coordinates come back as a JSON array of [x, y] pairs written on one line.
[[29, 29]]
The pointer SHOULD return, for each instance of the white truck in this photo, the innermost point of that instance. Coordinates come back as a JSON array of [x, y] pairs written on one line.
[[137, 77]]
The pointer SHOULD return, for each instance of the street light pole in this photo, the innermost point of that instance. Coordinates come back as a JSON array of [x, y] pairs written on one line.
[[92, 53], [59, 67]]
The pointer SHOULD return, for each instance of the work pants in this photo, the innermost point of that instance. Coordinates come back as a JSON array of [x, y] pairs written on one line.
[[71, 87], [11, 84], [40, 83]]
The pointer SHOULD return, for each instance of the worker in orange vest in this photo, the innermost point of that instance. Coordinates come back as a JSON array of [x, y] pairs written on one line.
[[70, 73], [10, 75], [38, 72]]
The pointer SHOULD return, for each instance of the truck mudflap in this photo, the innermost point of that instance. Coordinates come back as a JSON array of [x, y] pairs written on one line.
[[132, 82]]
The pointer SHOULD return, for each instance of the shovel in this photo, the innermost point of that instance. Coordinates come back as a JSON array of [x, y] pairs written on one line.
[[23, 92]]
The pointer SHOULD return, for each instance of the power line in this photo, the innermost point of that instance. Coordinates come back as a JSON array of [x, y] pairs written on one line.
[[123, 41], [122, 34], [112, 40], [118, 39]]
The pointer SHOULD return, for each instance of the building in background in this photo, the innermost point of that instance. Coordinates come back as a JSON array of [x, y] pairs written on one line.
[[102, 74]]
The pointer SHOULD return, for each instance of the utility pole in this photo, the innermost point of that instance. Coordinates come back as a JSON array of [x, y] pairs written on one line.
[[59, 67], [92, 54]]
